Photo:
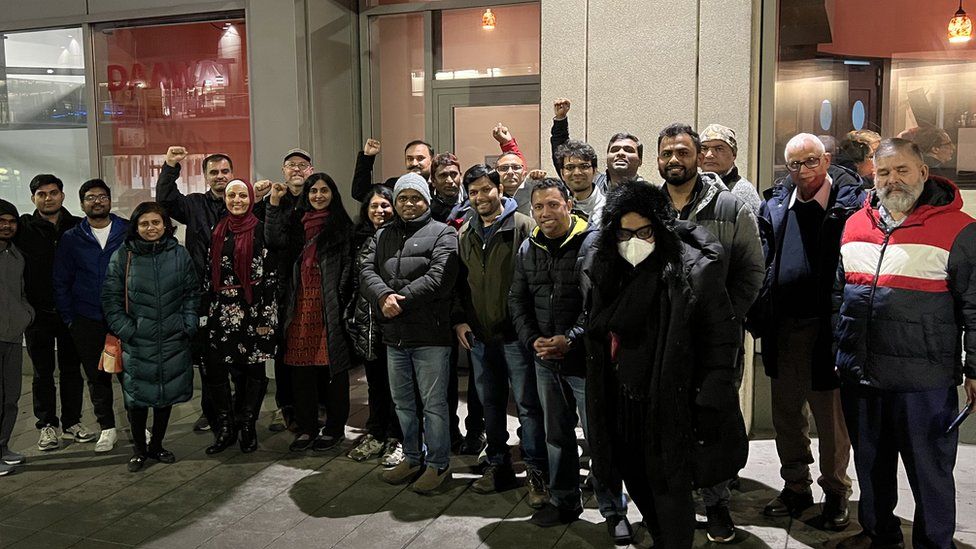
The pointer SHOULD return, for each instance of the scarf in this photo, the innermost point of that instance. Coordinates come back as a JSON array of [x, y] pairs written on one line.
[[242, 227], [313, 221]]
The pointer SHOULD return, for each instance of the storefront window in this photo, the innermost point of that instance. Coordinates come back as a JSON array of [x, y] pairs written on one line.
[[43, 112], [846, 66], [161, 85], [509, 47]]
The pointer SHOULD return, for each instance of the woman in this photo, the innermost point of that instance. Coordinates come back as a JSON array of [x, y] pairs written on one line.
[[150, 299], [383, 429], [660, 328], [241, 316], [317, 348]]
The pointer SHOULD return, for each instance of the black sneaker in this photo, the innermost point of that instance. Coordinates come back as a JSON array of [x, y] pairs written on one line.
[[720, 528], [550, 516], [201, 425], [324, 443], [473, 444], [620, 530], [301, 443], [788, 503]]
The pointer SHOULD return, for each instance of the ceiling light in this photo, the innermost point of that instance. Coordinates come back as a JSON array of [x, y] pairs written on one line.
[[960, 27], [488, 20]]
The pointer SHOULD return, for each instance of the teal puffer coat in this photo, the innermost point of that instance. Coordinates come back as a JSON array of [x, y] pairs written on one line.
[[164, 296]]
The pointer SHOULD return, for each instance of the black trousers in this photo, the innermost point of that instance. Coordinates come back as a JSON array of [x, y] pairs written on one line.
[[89, 337], [11, 381], [382, 422], [50, 346], [139, 418], [310, 385]]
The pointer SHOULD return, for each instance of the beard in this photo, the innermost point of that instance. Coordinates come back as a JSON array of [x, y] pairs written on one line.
[[677, 178], [899, 198]]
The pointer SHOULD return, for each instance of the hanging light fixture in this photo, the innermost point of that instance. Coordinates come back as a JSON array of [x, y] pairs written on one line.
[[960, 26], [488, 20]]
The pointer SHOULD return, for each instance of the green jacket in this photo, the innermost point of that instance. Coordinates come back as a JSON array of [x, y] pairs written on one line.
[[164, 296], [487, 267]]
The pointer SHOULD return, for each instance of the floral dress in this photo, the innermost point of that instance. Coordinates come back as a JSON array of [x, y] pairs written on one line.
[[232, 324]]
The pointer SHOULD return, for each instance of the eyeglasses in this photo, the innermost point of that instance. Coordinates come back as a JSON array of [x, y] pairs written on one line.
[[643, 233], [91, 199], [509, 168], [570, 168], [810, 163], [409, 199], [300, 167]]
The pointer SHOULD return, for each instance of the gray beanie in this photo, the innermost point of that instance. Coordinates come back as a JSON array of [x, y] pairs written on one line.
[[412, 181]]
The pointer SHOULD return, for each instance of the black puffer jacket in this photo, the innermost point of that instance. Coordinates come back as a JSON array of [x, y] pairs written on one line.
[[284, 233], [38, 239], [546, 300], [417, 259], [361, 321]]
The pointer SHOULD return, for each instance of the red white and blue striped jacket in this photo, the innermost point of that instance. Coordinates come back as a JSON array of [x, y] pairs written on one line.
[[909, 295]]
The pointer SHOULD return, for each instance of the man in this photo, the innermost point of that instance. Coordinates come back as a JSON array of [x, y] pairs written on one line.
[[938, 150], [80, 264], [511, 164], [576, 162], [408, 276], [296, 167], [445, 179], [909, 293], [487, 245], [18, 314], [417, 157], [719, 150], [802, 220], [625, 152], [200, 212], [49, 342], [703, 198], [547, 308]]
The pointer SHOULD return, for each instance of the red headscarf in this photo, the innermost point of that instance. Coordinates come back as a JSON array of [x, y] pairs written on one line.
[[242, 226]]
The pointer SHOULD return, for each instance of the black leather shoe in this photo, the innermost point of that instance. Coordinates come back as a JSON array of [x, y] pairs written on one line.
[[137, 462], [620, 530], [864, 541], [550, 515], [834, 514], [162, 455], [788, 503], [249, 435]]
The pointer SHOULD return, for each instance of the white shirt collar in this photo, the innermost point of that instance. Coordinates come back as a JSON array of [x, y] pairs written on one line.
[[822, 196]]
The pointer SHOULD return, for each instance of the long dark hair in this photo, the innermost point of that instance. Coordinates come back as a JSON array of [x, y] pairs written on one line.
[[365, 224], [143, 209], [648, 201], [338, 224]]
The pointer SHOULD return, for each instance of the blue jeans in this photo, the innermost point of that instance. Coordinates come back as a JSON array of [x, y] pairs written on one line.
[[496, 365], [564, 404], [430, 367]]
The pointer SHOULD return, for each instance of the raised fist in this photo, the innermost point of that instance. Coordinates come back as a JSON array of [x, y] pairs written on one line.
[[372, 147], [278, 190], [537, 175], [175, 155], [560, 108], [501, 134], [262, 188]]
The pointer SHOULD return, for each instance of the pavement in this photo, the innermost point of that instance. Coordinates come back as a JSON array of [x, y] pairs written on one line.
[[276, 499]]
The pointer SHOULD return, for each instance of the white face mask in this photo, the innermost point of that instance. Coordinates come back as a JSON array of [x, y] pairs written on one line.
[[635, 250]]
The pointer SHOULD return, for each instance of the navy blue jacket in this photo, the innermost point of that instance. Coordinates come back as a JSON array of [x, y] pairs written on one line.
[[846, 197], [80, 265]]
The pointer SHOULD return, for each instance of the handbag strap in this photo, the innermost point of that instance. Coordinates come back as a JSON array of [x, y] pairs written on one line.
[[125, 291]]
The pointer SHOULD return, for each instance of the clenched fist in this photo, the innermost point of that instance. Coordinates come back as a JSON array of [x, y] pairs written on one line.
[[262, 188], [372, 147], [560, 108], [501, 134], [175, 155], [278, 190]]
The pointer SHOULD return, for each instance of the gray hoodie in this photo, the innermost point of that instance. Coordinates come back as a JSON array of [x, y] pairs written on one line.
[[17, 313]]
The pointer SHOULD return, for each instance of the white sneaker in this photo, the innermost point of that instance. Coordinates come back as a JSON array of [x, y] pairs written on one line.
[[106, 441], [78, 433], [49, 439], [393, 455]]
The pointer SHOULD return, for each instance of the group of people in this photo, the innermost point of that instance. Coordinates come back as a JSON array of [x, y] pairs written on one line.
[[594, 298]]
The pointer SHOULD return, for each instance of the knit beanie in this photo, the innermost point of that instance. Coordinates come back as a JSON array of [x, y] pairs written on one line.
[[414, 182], [6, 208]]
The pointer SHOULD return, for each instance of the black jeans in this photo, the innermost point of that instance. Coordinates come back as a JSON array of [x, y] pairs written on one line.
[[89, 336], [47, 331], [139, 417], [11, 380], [311, 384], [382, 422]]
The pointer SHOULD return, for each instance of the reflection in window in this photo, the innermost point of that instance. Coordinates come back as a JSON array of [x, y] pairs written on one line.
[[152, 95], [43, 112], [905, 80], [467, 50]]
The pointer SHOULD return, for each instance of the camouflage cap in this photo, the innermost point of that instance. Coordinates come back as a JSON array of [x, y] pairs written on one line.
[[721, 133]]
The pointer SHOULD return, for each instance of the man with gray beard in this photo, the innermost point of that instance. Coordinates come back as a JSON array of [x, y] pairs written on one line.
[[908, 260]]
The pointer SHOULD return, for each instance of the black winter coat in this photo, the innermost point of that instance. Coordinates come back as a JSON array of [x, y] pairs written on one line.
[[696, 429], [362, 323], [284, 231], [545, 299], [38, 239], [164, 296], [417, 259], [846, 197]]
